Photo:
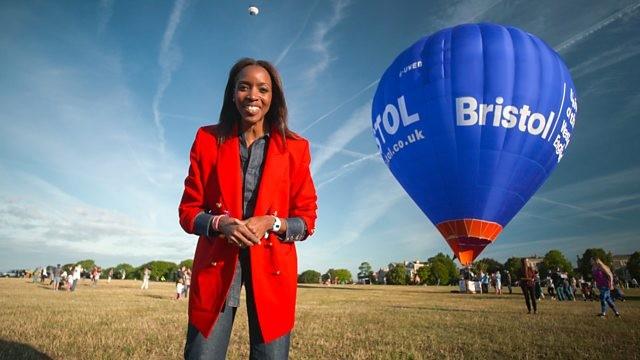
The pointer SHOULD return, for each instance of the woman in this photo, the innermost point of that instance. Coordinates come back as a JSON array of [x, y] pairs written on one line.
[[249, 195], [527, 284], [603, 278]]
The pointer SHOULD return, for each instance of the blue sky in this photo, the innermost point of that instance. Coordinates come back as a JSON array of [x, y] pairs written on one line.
[[100, 102]]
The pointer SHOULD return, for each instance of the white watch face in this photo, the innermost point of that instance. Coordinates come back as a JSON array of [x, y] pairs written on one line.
[[276, 224]]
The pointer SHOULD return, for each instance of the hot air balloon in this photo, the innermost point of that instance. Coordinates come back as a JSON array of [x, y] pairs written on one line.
[[471, 120]]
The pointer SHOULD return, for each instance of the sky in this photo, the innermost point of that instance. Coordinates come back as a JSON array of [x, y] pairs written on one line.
[[100, 102]]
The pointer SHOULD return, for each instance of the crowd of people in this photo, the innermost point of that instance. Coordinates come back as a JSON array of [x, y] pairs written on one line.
[[67, 278], [559, 285]]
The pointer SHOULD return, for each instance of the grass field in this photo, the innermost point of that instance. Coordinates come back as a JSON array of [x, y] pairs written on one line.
[[119, 321]]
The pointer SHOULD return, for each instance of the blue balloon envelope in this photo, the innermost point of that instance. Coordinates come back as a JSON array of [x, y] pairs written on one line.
[[471, 121]]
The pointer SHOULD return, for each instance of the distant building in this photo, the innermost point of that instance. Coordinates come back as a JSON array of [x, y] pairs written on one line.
[[619, 267], [381, 275], [535, 260], [412, 269], [619, 261]]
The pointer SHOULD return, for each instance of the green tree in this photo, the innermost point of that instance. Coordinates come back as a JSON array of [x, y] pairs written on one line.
[[325, 277], [309, 277], [87, 265], [584, 262], [443, 270], [127, 268], [513, 265], [489, 265], [397, 275], [159, 269], [553, 260], [187, 262], [439, 273], [343, 276], [68, 267], [423, 273], [338, 276], [365, 271], [633, 265]]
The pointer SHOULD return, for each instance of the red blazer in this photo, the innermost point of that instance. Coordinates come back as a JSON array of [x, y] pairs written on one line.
[[214, 184]]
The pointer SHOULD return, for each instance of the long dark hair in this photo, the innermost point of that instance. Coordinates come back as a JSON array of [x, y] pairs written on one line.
[[276, 117]]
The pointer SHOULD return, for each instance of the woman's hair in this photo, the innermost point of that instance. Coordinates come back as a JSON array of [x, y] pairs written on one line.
[[276, 117]]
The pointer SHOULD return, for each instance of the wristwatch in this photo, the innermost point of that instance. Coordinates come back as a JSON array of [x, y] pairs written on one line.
[[276, 224]]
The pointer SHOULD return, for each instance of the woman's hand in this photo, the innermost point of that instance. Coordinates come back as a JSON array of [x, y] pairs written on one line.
[[260, 225], [237, 232]]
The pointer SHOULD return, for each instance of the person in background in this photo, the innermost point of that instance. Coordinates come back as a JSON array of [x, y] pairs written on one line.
[[187, 282], [551, 291], [484, 281], [508, 279], [179, 289], [77, 272], [498, 280], [146, 273], [527, 279], [56, 277], [538, 287], [603, 278], [109, 275]]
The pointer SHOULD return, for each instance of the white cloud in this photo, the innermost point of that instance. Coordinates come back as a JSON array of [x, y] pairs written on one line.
[[352, 127], [104, 15], [320, 44], [169, 59], [586, 33], [285, 52]]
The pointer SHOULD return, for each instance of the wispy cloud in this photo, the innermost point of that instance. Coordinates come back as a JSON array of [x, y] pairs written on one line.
[[584, 34], [169, 60], [597, 197], [607, 58], [574, 207], [346, 168], [330, 112], [104, 15], [371, 201], [319, 42], [285, 52], [354, 126]]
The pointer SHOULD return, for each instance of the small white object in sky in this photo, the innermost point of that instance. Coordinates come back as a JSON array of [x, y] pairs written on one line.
[[253, 10]]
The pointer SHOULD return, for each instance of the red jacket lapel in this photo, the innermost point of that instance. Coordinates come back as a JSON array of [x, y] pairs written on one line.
[[230, 176]]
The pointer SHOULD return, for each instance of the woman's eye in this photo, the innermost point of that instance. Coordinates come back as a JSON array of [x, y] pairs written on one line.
[[264, 90]]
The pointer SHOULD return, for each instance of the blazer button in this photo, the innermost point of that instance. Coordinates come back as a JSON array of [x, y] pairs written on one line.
[[214, 263], [277, 272], [269, 243], [218, 205]]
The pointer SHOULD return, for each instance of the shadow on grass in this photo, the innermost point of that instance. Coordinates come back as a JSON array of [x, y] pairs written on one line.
[[13, 350], [157, 297], [332, 287], [432, 308]]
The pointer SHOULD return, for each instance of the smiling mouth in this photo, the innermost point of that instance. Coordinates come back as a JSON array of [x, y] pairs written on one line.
[[251, 109]]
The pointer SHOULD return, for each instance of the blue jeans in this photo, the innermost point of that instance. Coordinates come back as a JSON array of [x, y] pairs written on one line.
[[215, 346], [605, 299]]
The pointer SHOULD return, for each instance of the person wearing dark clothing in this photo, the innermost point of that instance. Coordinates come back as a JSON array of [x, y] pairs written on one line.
[[527, 284], [508, 279]]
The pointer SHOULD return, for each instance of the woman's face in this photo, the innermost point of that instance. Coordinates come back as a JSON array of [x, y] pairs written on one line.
[[252, 94]]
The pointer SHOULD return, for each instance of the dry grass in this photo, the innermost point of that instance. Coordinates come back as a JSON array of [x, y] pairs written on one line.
[[119, 321]]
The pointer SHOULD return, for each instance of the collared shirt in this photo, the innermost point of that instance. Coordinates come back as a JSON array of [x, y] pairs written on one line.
[[251, 161]]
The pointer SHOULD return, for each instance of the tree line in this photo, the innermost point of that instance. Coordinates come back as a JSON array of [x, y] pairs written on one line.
[[442, 270], [160, 270]]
